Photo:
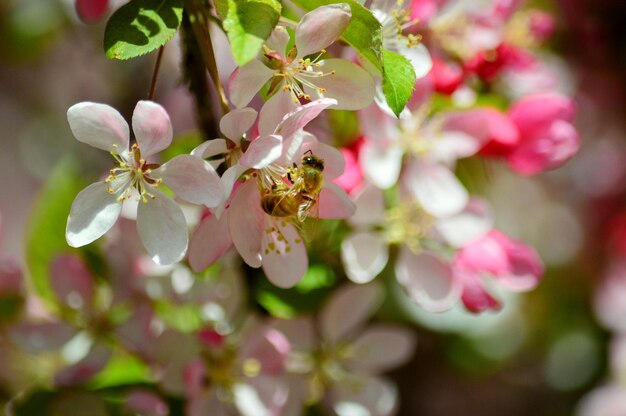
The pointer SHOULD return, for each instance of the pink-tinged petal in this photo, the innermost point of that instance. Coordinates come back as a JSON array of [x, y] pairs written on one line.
[[381, 348], [299, 332], [381, 166], [334, 202], [146, 403], [475, 296], [418, 56], [246, 81], [301, 116], [285, 259], [427, 280], [11, 277], [274, 110], [260, 396], [93, 213], [352, 86], [72, 282], [471, 223], [269, 348], [453, 145], [319, 28], [136, 334], [446, 76], [84, 369], [606, 400], [498, 134], [559, 143], [152, 128], [207, 405], [278, 40], [436, 188], [209, 242], [36, 337], [162, 228], [292, 147], [534, 113], [348, 309], [352, 176], [91, 10], [193, 180], [210, 148], [246, 222], [262, 152], [378, 127], [370, 206], [236, 123], [364, 256], [100, 126], [229, 180], [367, 396], [334, 163]]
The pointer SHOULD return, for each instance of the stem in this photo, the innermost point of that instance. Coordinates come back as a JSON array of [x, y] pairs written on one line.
[[287, 21], [199, 21], [155, 73]]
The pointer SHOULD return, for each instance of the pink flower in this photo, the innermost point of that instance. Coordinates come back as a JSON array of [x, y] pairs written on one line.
[[352, 177], [547, 137], [91, 10], [514, 265], [447, 76]]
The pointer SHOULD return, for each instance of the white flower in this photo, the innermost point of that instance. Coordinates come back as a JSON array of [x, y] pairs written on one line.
[[160, 220]]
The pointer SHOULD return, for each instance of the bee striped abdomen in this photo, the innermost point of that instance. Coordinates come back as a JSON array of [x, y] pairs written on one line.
[[278, 205]]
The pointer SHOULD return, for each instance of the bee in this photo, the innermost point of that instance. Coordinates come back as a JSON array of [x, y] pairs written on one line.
[[296, 200]]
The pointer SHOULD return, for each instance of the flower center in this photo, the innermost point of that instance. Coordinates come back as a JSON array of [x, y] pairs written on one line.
[[302, 73], [408, 224], [395, 22], [132, 174]]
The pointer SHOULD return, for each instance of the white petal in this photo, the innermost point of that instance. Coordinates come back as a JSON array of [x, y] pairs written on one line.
[[262, 152], [453, 145], [209, 242], [299, 331], [301, 116], [381, 166], [100, 126], [278, 40], [418, 56], [246, 223], [427, 280], [471, 223], [193, 180], [436, 188], [319, 28], [334, 162], [93, 213], [370, 206], [334, 202], [162, 228], [381, 348], [246, 81], [364, 256], [210, 148], [274, 110], [285, 259], [368, 396], [348, 308], [236, 123], [152, 128], [378, 127], [352, 86]]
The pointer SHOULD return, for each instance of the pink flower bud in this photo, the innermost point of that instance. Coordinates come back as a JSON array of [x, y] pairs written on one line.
[[541, 25], [446, 76], [352, 176], [90, 11]]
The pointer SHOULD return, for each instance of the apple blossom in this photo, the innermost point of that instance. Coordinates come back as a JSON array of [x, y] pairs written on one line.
[[98, 206], [302, 77]]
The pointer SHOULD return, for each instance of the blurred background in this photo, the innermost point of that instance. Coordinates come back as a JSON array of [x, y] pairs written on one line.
[[538, 356]]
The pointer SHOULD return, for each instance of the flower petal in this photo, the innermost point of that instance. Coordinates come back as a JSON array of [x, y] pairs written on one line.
[[373, 397], [163, 229], [301, 116], [436, 188], [352, 86], [236, 123], [100, 126], [274, 110], [152, 128], [418, 56], [278, 40], [210, 148], [334, 202], [93, 213], [471, 223], [193, 180], [370, 206], [334, 162], [209, 242], [86, 368], [72, 282], [246, 81], [262, 152], [319, 28], [144, 402], [381, 166], [46, 336], [285, 259], [348, 308], [427, 280], [364, 256], [381, 348], [246, 222]]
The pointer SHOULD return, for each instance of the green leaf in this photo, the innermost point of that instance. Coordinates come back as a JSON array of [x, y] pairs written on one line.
[[364, 33], [121, 369], [248, 23], [45, 237], [398, 80], [140, 27]]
